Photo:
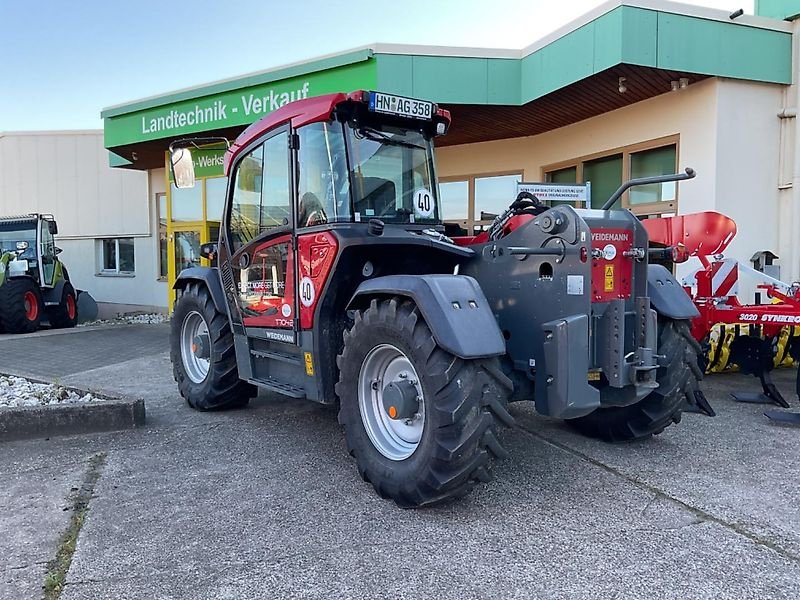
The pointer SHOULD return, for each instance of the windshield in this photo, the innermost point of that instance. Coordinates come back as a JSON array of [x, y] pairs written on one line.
[[11, 233], [392, 175]]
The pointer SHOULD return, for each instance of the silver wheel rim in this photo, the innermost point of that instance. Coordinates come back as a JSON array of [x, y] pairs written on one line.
[[196, 368], [395, 439]]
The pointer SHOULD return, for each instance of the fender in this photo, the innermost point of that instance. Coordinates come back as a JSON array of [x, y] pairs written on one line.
[[453, 306], [52, 296], [667, 296], [210, 277]]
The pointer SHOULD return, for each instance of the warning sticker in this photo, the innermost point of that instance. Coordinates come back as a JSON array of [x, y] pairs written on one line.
[[309, 364], [609, 278]]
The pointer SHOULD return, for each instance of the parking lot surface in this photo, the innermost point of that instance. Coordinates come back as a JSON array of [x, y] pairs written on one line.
[[265, 502]]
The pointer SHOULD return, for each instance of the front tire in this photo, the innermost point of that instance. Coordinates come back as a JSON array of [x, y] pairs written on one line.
[[20, 306], [66, 313], [449, 444], [202, 354], [678, 377]]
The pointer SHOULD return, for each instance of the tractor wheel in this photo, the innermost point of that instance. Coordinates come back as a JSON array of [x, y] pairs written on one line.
[[202, 354], [20, 306], [66, 313], [677, 377], [420, 422]]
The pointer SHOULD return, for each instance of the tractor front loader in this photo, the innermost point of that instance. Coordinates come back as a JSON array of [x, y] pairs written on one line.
[[337, 284], [33, 281]]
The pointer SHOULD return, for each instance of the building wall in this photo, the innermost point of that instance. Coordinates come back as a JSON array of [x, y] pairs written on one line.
[[729, 133], [747, 172], [67, 174], [688, 112]]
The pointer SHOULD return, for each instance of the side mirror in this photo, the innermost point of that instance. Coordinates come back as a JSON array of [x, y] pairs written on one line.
[[209, 250], [182, 165], [58, 250], [53, 227]]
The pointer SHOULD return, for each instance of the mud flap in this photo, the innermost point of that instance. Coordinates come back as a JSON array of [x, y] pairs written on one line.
[[562, 387]]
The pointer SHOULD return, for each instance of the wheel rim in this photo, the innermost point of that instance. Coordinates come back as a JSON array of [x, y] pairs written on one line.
[[71, 307], [31, 306], [395, 439], [196, 368]]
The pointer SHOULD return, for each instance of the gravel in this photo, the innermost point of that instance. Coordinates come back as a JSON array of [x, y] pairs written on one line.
[[18, 391], [135, 319]]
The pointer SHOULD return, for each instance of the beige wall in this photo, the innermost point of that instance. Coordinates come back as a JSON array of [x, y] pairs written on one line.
[[729, 133], [67, 174]]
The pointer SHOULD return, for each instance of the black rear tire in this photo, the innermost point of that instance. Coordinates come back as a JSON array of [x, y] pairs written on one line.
[[64, 315], [464, 402], [221, 389], [678, 378], [20, 306]]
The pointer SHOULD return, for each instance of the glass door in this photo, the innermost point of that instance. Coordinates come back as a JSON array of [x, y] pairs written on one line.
[[183, 249]]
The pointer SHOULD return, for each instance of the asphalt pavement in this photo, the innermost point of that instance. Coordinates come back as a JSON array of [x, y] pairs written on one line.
[[265, 502]]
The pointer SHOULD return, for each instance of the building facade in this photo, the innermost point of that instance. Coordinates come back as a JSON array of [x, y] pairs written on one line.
[[106, 224]]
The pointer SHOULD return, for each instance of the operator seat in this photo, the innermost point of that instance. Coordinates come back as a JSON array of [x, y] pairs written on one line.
[[378, 198]]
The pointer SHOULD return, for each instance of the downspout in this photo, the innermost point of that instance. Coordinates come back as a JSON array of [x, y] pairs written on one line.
[[790, 247], [793, 242]]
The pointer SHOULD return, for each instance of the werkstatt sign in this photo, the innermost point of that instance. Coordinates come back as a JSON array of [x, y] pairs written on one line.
[[208, 162], [242, 106]]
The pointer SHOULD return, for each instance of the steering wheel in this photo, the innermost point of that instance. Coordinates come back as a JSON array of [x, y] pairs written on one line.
[[311, 211]]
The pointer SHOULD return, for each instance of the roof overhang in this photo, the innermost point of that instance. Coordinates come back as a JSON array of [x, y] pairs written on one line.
[[652, 42]]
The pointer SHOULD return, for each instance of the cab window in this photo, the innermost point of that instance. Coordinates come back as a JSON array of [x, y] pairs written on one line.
[[323, 186], [261, 192]]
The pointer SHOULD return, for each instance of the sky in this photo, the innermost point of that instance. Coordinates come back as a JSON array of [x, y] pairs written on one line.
[[62, 62]]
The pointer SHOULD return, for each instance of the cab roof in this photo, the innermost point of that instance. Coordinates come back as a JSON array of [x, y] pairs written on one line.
[[298, 113]]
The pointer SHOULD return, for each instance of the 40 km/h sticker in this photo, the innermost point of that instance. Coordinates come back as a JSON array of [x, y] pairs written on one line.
[[423, 203], [307, 292], [609, 278]]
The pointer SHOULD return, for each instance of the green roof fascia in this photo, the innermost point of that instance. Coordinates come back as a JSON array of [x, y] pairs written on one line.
[[115, 160], [623, 35], [236, 107], [777, 9], [256, 79]]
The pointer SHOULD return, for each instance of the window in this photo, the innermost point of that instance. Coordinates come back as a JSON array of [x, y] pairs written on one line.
[[215, 197], [567, 175], [392, 175], [161, 206], [606, 173], [648, 163], [187, 203], [323, 186], [463, 200], [116, 256], [261, 191], [494, 194], [454, 197]]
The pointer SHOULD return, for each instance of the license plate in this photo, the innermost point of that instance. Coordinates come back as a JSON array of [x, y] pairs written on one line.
[[397, 105]]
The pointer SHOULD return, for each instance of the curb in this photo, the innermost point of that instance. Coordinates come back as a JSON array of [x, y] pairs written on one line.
[[110, 414]]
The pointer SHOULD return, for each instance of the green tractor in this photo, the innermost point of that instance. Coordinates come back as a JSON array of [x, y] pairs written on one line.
[[34, 283]]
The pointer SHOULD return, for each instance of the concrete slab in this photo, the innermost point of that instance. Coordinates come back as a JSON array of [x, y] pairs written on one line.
[[737, 466], [265, 502], [31, 521], [57, 355]]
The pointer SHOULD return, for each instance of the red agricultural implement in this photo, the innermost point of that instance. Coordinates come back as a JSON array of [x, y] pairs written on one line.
[[755, 338]]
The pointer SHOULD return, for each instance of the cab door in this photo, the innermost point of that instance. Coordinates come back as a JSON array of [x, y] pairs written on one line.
[[48, 253], [260, 238]]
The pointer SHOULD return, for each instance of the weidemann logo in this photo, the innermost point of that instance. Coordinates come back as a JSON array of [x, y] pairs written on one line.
[[251, 106], [604, 236]]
